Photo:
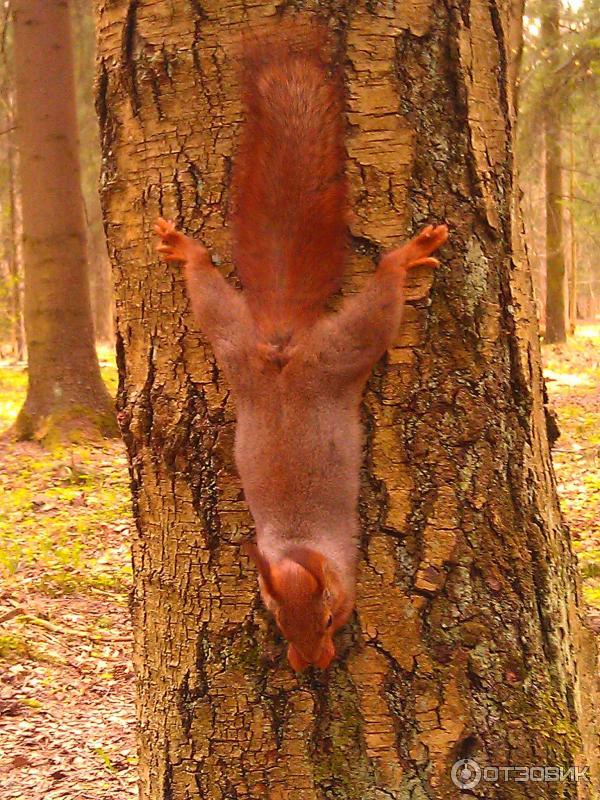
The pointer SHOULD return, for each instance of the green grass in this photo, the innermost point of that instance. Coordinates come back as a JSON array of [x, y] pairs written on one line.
[[58, 508], [64, 511], [13, 384], [591, 595]]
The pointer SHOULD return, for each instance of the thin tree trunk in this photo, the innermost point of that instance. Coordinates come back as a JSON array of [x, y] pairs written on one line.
[[82, 18], [16, 244], [515, 56], [15, 265], [104, 323], [12, 328], [467, 641], [555, 258], [65, 393], [102, 288], [100, 272], [572, 283]]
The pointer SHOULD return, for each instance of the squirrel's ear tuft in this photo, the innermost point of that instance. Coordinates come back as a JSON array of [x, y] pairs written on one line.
[[262, 565], [313, 562]]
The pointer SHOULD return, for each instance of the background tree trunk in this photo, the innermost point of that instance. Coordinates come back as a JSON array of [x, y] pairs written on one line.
[[572, 280], [82, 17], [14, 246], [555, 257], [11, 286], [100, 274], [65, 389], [515, 57], [467, 640]]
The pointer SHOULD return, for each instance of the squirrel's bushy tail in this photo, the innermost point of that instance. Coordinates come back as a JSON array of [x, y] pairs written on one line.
[[289, 189]]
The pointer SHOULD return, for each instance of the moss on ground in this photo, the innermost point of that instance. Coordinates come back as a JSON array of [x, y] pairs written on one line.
[[66, 510]]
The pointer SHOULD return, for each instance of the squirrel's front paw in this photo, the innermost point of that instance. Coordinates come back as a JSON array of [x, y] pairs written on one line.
[[174, 245]]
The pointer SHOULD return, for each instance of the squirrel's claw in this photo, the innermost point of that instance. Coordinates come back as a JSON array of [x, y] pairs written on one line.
[[164, 227], [432, 237], [176, 246], [417, 252], [168, 252], [428, 241], [425, 262], [171, 247]]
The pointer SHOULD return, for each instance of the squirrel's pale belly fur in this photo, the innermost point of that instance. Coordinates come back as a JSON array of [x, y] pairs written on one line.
[[298, 452]]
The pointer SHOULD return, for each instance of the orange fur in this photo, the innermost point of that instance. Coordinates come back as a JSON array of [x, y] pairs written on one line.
[[307, 603], [289, 189]]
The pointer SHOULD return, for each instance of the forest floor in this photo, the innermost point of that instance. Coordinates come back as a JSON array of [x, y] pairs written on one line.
[[67, 721], [572, 375], [66, 679]]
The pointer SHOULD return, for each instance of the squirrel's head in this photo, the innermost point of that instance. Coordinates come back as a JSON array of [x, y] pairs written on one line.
[[307, 600]]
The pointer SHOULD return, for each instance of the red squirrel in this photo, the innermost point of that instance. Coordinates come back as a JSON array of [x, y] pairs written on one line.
[[297, 371]]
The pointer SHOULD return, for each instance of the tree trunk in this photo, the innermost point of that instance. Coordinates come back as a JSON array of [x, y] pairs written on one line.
[[15, 246], [555, 257], [516, 9], [82, 17], [572, 282], [467, 641], [65, 393], [100, 273], [11, 325]]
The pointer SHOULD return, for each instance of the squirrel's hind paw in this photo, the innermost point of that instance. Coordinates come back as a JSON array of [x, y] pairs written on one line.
[[174, 245], [425, 262], [419, 250]]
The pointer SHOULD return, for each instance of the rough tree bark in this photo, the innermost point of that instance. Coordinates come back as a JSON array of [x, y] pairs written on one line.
[[467, 640], [65, 393], [556, 328]]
